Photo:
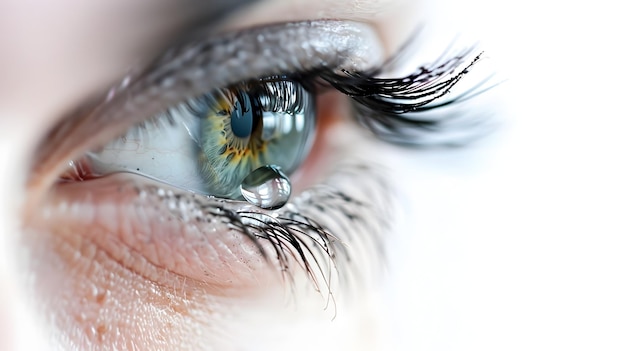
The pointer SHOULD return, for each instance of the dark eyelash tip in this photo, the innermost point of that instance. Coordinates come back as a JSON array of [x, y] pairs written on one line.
[[395, 109]]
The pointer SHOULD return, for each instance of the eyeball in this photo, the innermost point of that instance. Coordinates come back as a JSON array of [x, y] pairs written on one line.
[[211, 143]]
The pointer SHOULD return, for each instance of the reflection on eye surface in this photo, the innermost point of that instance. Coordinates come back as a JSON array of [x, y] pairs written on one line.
[[212, 143], [181, 230]]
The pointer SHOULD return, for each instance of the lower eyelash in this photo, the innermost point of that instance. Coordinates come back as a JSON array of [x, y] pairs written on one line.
[[295, 238]]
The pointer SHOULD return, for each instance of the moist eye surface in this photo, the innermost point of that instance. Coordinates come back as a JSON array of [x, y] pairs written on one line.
[[211, 143]]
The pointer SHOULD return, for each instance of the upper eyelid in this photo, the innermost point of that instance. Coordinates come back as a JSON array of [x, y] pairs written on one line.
[[200, 65]]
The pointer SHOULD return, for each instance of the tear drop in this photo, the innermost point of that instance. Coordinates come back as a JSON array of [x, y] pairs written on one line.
[[266, 187]]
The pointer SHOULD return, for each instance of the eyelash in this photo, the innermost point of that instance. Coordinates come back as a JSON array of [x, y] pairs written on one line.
[[392, 108]]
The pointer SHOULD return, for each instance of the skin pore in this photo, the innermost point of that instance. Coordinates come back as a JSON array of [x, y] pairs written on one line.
[[60, 283]]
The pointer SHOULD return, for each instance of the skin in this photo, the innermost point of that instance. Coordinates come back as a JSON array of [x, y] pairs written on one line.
[[60, 288]]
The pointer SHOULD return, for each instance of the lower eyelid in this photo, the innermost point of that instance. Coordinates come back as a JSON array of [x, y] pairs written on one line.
[[141, 233]]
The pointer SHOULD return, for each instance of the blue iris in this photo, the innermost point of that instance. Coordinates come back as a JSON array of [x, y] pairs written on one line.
[[249, 126]]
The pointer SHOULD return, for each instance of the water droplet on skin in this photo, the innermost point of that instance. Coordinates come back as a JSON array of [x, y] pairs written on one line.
[[266, 187]]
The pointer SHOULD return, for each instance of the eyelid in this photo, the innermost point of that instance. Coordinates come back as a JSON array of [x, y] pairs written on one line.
[[200, 65]]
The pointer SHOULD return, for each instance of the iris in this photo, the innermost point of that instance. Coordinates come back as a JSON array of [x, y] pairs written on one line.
[[246, 127]]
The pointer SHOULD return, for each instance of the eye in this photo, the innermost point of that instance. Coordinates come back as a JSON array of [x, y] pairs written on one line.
[[210, 144]]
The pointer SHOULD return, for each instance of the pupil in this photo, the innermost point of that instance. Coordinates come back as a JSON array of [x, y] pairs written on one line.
[[242, 120]]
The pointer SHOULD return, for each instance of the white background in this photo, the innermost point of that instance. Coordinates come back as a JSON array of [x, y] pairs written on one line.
[[518, 242]]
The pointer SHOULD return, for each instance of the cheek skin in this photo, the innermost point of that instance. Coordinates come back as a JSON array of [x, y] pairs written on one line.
[[91, 300]]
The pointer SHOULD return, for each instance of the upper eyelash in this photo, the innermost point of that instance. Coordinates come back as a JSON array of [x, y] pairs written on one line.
[[393, 108], [419, 88]]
